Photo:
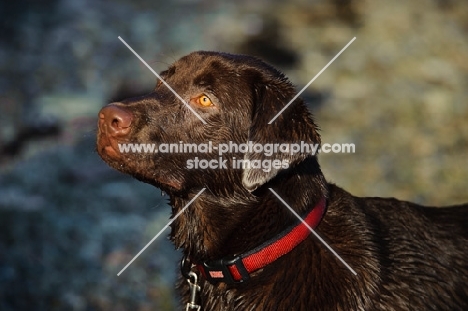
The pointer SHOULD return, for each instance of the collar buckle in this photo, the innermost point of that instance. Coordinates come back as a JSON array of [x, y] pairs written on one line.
[[230, 270]]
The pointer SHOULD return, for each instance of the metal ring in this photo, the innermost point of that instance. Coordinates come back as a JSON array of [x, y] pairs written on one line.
[[185, 267]]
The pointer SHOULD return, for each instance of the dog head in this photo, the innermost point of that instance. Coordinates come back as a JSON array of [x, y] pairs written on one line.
[[208, 99]]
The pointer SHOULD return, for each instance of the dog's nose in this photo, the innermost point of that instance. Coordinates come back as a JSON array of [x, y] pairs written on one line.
[[115, 120]]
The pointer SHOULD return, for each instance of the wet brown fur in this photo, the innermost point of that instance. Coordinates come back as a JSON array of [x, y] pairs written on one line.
[[407, 257]]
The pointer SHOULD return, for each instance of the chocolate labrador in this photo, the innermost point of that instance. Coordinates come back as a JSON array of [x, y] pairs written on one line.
[[205, 136]]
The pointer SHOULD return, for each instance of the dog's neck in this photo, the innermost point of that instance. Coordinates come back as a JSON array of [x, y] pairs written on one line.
[[237, 268], [215, 226]]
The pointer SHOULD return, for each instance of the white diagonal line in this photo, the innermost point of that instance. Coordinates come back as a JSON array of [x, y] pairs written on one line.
[[167, 85], [159, 233], [310, 82], [312, 230]]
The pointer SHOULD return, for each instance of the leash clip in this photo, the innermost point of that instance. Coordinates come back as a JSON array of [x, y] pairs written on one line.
[[194, 289]]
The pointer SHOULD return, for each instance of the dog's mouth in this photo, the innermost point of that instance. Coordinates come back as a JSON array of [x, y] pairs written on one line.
[[108, 147]]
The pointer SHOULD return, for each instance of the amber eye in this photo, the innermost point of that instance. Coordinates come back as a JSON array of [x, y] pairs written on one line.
[[204, 101]]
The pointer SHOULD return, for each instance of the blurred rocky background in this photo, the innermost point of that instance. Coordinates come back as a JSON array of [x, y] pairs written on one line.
[[69, 224]]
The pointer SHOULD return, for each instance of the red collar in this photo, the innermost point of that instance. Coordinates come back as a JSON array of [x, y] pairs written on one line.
[[237, 269]]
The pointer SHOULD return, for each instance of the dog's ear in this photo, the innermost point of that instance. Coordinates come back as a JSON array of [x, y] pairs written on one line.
[[293, 126]]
